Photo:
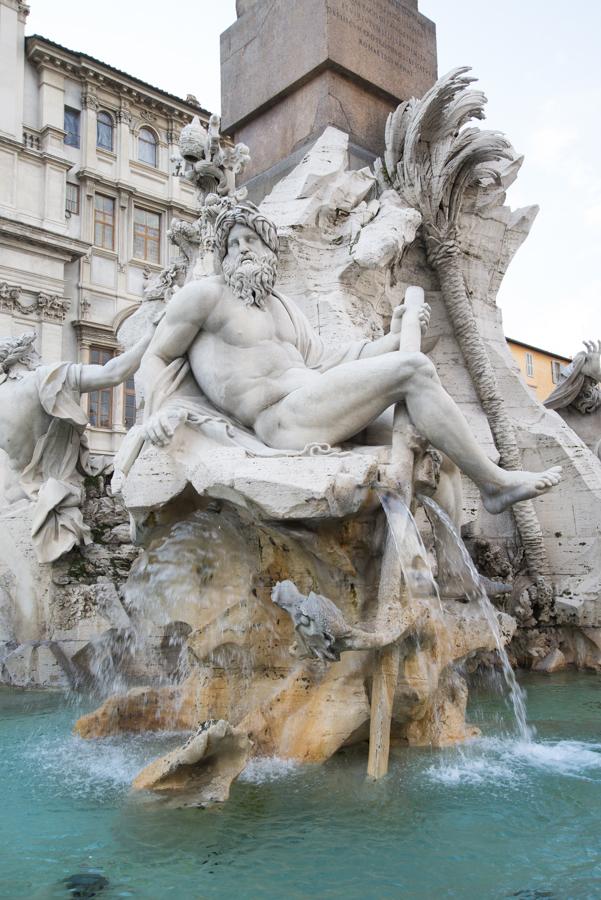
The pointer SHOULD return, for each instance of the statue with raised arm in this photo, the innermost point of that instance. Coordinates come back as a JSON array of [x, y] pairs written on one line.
[[259, 370], [42, 429]]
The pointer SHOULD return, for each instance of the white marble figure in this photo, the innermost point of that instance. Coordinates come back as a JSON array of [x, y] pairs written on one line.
[[579, 383], [42, 432], [259, 370]]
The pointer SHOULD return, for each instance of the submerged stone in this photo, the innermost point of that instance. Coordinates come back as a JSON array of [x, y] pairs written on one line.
[[85, 885]]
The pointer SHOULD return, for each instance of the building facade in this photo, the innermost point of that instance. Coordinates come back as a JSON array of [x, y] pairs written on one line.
[[87, 192], [540, 368]]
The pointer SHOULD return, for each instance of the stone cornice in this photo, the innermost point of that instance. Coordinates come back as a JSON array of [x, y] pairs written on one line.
[[29, 147], [126, 187], [58, 244], [95, 333], [20, 6], [43, 52]]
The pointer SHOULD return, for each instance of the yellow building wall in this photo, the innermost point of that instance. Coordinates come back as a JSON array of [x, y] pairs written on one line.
[[541, 380]]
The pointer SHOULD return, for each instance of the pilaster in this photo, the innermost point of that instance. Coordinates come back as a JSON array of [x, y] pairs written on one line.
[[90, 106], [52, 110], [12, 65]]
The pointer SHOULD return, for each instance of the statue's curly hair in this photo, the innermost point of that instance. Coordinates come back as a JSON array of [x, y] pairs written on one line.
[[16, 349], [244, 214]]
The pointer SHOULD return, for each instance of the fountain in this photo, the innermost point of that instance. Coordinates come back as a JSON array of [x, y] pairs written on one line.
[[272, 596]]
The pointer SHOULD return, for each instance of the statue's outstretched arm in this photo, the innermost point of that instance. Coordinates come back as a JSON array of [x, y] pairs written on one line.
[[116, 370]]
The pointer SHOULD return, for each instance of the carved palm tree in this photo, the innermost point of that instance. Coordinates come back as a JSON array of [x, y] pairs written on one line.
[[432, 159]]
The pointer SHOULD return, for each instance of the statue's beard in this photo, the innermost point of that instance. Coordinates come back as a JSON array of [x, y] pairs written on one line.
[[251, 277]]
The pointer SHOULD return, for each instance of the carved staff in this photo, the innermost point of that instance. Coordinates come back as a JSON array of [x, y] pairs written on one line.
[[392, 591]]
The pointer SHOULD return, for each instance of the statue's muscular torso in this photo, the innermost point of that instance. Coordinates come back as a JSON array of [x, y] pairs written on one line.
[[243, 358]]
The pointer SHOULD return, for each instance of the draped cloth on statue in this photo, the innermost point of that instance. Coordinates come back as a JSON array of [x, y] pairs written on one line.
[[177, 394], [53, 478]]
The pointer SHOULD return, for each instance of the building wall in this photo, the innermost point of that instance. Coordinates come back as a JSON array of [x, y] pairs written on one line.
[[54, 278], [539, 368]]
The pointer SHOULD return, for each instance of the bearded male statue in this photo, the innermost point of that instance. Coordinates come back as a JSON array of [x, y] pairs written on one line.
[[42, 429], [261, 373]]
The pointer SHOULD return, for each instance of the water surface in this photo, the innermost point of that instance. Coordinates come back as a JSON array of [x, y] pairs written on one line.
[[498, 818]]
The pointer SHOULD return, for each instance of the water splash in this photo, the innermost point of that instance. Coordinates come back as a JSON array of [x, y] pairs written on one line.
[[266, 769], [497, 761], [464, 568]]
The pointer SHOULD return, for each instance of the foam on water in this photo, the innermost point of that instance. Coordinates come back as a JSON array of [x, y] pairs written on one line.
[[85, 768], [264, 769], [563, 757], [505, 761]]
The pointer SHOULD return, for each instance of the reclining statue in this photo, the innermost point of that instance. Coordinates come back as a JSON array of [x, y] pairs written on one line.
[[42, 432], [231, 352]]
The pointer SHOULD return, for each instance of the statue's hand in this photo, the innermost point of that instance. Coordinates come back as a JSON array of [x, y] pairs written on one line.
[[398, 313], [592, 364], [160, 428]]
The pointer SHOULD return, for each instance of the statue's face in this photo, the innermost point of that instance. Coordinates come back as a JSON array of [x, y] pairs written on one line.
[[249, 266], [244, 243]]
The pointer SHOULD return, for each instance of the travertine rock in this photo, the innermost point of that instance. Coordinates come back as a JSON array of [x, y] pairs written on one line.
[[241, 670], [200, 772], [555, 661]]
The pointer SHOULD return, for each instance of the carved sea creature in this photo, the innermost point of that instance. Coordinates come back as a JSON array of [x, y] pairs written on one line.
[[323, 632]]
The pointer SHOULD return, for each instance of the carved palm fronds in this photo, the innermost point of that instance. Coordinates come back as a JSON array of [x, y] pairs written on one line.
[[432, 158]]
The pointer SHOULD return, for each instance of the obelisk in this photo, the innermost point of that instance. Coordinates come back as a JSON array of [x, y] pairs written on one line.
[[290, 68]]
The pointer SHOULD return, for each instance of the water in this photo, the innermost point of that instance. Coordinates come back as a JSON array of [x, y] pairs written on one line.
[[463, 566], [497, 818], [410, 548]]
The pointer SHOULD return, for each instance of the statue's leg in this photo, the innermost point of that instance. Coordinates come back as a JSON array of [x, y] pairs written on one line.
[[344, 400]]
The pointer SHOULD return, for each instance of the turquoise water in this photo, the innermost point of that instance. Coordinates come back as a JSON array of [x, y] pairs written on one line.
[[496, 819]]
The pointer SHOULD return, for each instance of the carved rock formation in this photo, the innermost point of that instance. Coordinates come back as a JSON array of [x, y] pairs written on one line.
[[201, 771]]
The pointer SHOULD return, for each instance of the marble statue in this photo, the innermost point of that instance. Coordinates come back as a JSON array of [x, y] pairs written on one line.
[[577, 397], [579, 382], [42, 429], [240, 354], [164, 285]]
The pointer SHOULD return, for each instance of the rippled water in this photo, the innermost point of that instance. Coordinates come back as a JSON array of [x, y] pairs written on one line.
[[497, 818]]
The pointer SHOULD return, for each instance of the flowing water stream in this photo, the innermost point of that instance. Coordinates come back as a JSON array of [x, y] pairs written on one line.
[[460, 562]]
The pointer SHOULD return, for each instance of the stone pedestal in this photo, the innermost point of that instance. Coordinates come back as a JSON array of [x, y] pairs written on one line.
[[291, 69]]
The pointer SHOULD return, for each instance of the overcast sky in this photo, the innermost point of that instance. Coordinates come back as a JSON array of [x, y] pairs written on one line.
[[538, 63]]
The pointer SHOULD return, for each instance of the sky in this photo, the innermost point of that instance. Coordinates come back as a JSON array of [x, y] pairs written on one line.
[[536, 60]]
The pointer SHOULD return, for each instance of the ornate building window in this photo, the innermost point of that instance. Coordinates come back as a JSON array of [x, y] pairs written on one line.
[[104, 130], [529, 365], [147, 235], [129, 403], [71, 126], [104, 222], [555, 371], [72, 199], [147, 147], [100, 411]]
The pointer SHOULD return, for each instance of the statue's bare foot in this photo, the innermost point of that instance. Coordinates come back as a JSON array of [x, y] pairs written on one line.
[[518, 486]]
